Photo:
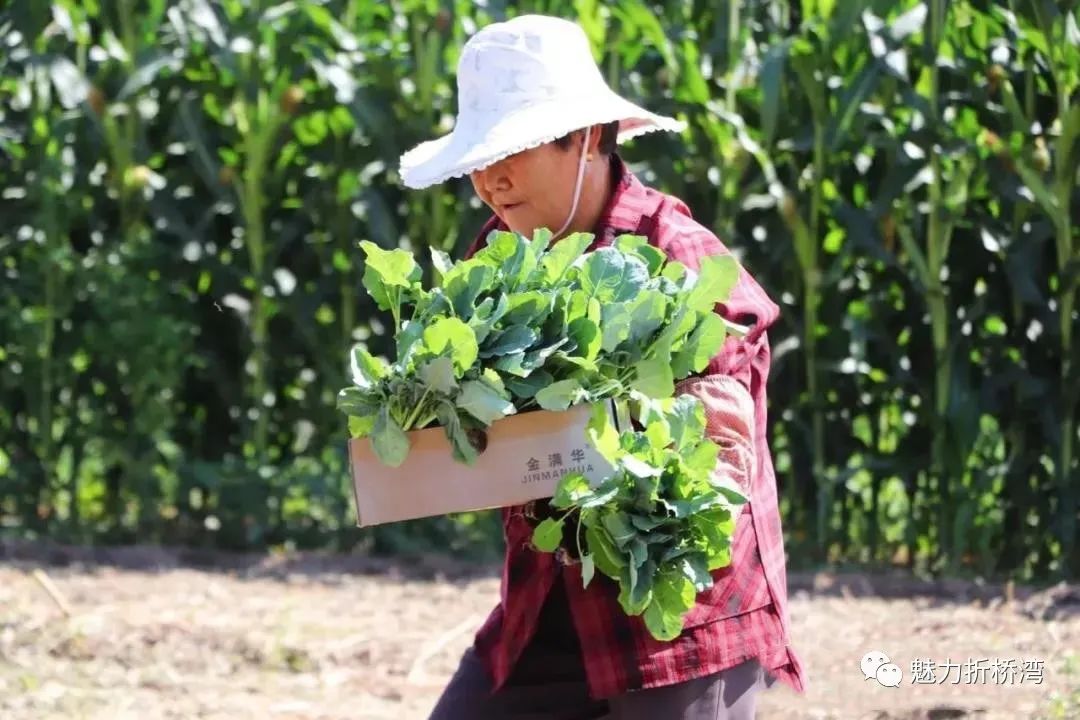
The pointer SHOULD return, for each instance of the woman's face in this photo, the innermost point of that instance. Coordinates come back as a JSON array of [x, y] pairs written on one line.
[[532, 189]]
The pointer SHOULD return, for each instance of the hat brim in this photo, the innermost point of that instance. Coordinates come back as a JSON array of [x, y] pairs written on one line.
[[468, 149]]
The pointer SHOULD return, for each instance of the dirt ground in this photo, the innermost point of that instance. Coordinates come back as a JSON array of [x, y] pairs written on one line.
[[147, 633]]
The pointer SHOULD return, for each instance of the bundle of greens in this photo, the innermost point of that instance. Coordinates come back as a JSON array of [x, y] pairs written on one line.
[[661, 522], [527, 324]]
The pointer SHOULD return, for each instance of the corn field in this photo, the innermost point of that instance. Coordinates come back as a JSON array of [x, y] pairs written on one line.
[[183, 186]]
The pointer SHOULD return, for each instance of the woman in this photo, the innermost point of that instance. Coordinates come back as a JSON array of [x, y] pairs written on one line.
[[536, 132]]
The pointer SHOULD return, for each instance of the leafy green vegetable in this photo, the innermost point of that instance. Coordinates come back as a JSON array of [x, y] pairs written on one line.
[[559, 395], [483, 402], [389, 440], [547, 326], [548, 535], [367, 370], [558, 260], [527, 325], [717, 275], [516, 338], [662, 523], [438, 374], [451, 335], [388, 275]]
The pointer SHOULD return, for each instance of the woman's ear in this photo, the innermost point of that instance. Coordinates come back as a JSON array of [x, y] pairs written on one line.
[[592, 150], [594, 139]]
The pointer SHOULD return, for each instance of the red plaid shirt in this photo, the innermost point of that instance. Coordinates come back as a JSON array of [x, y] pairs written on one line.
[[744, 615]]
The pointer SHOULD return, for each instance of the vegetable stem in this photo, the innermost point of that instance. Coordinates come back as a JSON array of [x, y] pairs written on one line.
[[409, 422]]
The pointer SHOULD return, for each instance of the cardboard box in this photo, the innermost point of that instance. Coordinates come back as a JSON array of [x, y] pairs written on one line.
[[525, 457]]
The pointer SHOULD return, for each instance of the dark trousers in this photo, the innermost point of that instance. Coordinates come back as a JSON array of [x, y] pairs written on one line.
[[548, 683]]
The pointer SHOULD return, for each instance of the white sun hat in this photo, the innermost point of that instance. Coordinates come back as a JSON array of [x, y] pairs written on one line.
[[523, 83]]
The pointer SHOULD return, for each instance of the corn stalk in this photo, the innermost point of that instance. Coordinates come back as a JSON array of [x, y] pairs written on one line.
[[48, 191], [937, 240], [806, 234], [1055, 199]]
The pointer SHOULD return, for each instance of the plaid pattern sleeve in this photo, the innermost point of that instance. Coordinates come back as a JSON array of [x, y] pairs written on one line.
[[744, 615]]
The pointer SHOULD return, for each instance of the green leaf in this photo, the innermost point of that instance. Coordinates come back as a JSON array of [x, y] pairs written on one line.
[[561, 256], [693, 505], [361, 425], [525, 388], [702, 346], [516, 338], [647, 312], [494, 380], [600, 496], [672, 595], [461, 448], [570, 490], [482, 402], [367, 370], [389, 441], [537, 357], [610, 276], [453, 335], [548, 534], [639, 551], [464, 283], [393, 268], [674, 271], [614, 326], [726, 487], [602, 549], [577, 304], [686, 418], [501, 248], [654, 377], [646, 523], [636, 588], [716, 527], [587, 569], [408, 340], [620, 528], [586, 335], [603, 435], [486, 315], [526, 307], [673, 335], [438, 374], [701, 461], [638, 467], [716, 277], [354, 401], [662, 625], [441, 264], [659, 433], [771, 81], [696, 570], [541, 241], [638, 245], [674, 552], [560, 395], [514, 363]]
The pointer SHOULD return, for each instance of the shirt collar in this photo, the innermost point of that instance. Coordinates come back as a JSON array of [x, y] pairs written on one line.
[[629, 202]]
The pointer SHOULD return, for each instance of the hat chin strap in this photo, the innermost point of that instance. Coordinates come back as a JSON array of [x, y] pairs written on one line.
[[577, 185]]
